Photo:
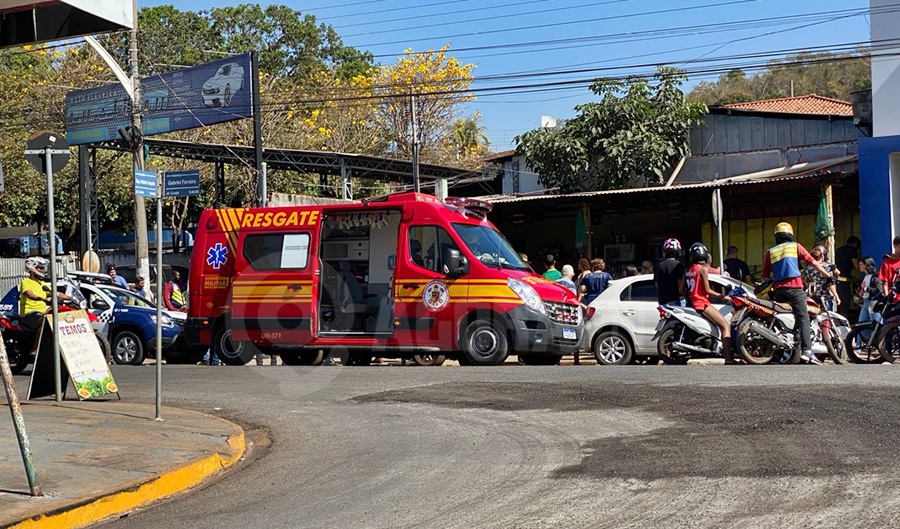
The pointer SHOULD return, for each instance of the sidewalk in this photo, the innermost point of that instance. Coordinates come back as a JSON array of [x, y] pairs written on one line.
[[97, 459]]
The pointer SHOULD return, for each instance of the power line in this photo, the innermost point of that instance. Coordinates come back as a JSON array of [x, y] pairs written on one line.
[[482, 19], [558, 24], [404, 8], [430, 15]]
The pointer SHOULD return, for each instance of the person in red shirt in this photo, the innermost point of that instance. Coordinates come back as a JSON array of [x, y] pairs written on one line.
[[890, 267], [696, 284]]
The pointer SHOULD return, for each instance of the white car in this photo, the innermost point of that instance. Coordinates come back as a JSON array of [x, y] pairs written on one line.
[[220, 88], [624, 320]]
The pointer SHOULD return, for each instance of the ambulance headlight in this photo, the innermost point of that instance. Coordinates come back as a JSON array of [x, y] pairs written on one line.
[[527, 295]]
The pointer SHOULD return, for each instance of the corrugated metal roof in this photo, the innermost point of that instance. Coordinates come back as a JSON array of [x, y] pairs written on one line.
[[784, 174]]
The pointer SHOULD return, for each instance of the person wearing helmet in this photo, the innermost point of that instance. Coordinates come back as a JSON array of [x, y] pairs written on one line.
[[34, 294], [782, 263], [696, 281], [668, 274]]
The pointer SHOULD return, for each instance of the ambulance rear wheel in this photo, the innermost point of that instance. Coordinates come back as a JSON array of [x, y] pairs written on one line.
[[485, 343], [232, 352]]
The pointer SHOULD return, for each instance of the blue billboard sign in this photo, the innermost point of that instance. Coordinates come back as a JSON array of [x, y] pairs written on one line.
[[181, 183], [211, 93], [145, 184]]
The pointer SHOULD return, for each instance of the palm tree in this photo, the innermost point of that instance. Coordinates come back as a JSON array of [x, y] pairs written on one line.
[[469, 135]]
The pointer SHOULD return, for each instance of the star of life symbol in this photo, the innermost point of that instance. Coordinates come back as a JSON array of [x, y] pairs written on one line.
[[217, 256]]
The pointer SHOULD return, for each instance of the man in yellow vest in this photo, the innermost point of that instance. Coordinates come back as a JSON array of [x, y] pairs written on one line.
[[175, 294]]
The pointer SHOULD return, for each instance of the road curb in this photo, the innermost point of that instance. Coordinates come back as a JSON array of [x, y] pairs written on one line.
[[142, 492]]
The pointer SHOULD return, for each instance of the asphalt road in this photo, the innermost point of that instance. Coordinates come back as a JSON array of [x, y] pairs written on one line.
[[627, 447]]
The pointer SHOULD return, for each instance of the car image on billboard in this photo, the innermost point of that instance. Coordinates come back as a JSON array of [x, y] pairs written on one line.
[[220, 88]]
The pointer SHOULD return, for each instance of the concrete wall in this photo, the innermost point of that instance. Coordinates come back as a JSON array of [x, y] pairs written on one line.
[[885, 25]]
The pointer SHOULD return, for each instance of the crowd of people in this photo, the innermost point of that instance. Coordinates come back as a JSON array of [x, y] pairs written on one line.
[[795, 274]]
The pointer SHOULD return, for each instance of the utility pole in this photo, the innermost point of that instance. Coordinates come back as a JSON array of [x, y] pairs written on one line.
[[261, 176], [141, 245], [415, 146]]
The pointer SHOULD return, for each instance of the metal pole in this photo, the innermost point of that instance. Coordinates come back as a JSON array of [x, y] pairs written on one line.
[[415, 146], [257, 130], [54, 301], [19, 423], [159, 296], [721, 214], [264, 191], [141, 243]]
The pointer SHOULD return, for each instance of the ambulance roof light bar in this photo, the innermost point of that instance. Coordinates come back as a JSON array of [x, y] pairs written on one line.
[[477, 208]]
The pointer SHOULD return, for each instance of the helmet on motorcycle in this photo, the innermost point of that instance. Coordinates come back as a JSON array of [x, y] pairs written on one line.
[[671, 246], [36, 266], [698, 252]]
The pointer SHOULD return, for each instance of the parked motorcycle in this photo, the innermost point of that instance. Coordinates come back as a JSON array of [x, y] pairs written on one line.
[[864, 339], [20, 341], [683, 333], [765, 332]]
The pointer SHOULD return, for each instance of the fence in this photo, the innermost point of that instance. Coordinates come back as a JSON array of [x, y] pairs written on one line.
[[12, 271]]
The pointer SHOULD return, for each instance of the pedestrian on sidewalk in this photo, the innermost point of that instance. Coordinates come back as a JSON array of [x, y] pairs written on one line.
[[552, 273], [273, 359], [567, 279], [869, 292]]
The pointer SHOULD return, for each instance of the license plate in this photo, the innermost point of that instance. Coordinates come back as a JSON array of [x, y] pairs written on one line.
[[659, 325], [569, 334]]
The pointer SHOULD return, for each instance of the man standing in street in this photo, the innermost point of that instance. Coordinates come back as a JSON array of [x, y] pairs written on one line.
[[552, 273], [782, 262], [118, 280], [140, 288], [735, 266], [846, 258], [174, 294]]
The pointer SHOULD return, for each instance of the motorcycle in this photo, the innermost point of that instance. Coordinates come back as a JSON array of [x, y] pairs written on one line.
[[863, 342], [20, 341], [683, 333], [765, 332]]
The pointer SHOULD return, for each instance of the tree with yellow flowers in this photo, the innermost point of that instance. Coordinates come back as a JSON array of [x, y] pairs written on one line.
[[440, 85]]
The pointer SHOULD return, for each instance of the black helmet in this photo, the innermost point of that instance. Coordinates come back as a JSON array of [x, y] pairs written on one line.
[[698, 252]]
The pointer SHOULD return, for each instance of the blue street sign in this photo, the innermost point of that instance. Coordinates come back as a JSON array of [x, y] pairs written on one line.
[[181, 183], [145, 184]]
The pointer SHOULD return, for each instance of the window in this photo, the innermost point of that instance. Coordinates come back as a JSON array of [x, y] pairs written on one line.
[[642, 291], [427, 245], [277, 251]]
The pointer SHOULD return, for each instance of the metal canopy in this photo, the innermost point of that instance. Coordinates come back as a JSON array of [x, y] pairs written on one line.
[[361, 166], [28, 22]]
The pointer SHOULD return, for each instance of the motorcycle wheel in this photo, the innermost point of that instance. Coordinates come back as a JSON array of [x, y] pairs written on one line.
[[429, 360], [18, 362], [665, 352], [837, 350], [756, 350], [104, 346], [858, 351], [889, 342]]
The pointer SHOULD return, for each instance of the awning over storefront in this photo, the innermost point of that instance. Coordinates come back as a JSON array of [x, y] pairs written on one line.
[[799, 171], [27, 22]]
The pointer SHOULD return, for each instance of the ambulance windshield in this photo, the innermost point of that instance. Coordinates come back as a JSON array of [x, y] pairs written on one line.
[[489, 246]]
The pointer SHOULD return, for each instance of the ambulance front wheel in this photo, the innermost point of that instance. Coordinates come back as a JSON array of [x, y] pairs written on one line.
[[485, 343], [230, 351]]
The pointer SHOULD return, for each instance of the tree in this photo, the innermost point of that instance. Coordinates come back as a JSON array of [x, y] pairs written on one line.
[[439, 84], [826, 74], [469, 138], [631, 136]]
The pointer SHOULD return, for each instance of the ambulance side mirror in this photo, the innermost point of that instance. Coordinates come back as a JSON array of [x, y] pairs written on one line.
[[455, 264]]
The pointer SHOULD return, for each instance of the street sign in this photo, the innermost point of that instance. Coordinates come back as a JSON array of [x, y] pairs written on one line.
[[45, 139], [181, 183], [145, 184]]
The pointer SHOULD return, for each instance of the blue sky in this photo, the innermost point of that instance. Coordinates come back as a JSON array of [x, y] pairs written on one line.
[[603, 33]]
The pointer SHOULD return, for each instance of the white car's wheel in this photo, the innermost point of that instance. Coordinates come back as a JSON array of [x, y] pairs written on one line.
[[612, 348]]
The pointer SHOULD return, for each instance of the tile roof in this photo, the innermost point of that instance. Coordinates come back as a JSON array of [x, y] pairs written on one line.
[[502, 155], [808, 104]]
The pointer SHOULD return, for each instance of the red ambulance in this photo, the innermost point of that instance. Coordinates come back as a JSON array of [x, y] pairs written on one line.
[[403, 275]]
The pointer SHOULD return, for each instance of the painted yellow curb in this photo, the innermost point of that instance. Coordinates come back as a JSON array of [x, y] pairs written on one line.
[[142, 493]]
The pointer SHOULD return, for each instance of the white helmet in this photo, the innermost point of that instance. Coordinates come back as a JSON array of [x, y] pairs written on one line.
[[37, 266]]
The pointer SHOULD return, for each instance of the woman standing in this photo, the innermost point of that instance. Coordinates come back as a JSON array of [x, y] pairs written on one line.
[[595, 282], [869, 291], [816, 281], [584, 268]]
